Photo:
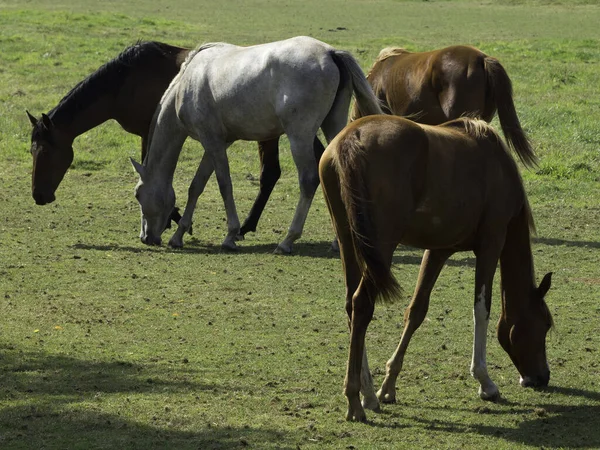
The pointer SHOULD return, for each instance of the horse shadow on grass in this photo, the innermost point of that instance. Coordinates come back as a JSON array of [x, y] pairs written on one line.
[[559, 242], [195, 246], [547, 425], [321, 249], [56, 401]]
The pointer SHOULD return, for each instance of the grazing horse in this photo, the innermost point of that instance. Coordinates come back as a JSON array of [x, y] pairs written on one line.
[[440, 85], [454, 187], [127, 89], [224, 93]]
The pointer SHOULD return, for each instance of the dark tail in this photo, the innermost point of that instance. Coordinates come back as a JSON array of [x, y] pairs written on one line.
[[501, 90], [350, 161]]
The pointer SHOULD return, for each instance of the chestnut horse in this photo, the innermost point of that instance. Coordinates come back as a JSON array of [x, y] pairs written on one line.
[[126, 89], [440, 85], [454, 187]]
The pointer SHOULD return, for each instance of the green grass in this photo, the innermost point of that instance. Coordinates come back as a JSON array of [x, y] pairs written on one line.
[[106, 343]]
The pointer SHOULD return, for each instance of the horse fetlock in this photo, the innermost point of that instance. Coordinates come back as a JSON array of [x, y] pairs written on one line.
[[247, 229], [387, 393]]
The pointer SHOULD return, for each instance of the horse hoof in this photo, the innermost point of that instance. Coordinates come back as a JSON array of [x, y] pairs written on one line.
[[388, 398], [359, 416], [371, 402], [175, 243], [239, 237], [493, 396], [229, 247], [282, 250]]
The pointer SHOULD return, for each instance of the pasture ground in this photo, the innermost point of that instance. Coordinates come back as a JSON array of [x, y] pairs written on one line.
[[106, 343]]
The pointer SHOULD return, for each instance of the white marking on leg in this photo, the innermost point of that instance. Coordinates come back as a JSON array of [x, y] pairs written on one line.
[[367, 389], [488, 390]]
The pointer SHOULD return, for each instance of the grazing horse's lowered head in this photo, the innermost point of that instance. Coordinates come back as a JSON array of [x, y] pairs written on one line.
[[52, 153], [156, 205], [523, 336]]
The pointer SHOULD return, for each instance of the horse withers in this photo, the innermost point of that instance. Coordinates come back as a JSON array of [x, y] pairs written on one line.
[[448, 188], [225, 93], [440, 85]]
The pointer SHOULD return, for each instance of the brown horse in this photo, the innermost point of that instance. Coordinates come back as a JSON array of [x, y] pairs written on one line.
[[126, 89], [448, 188], [441, 85]]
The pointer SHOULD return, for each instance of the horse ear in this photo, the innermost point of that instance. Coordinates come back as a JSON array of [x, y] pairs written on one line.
[[138, 168], [32, 119], [47, 121], [545, 284]]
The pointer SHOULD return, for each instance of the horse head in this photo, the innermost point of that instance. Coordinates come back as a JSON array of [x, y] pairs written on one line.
[[52, 154], [156, 204], [523, 337]]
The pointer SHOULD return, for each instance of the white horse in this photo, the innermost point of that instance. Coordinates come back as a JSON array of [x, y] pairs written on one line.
[[224, 93]]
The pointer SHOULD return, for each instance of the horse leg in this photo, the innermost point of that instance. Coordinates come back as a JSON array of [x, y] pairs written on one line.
[[485, 267], [270, 171], [205, 170], [308, 178], [352, 274], [221, 165], [367, 387], [431, 266], [362, 308]]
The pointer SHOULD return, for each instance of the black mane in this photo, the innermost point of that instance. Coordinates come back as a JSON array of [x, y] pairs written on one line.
[[109, 78]]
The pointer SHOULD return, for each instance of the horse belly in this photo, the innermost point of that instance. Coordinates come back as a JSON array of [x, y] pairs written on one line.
[[255, 128], [444, 227]]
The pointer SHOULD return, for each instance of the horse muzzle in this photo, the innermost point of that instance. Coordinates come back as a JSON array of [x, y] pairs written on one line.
[[537, 381], [149, 239], [43, 198]]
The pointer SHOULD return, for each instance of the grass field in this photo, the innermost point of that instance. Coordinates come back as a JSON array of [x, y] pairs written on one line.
[[107, 343]]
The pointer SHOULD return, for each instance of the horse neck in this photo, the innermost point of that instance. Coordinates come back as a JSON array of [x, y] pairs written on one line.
[[73, 120], [516, 268], [163, 153]]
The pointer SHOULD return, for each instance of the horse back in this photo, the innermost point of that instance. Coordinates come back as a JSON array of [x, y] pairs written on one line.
[[472, 183], [254, 93], [432, 87]]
